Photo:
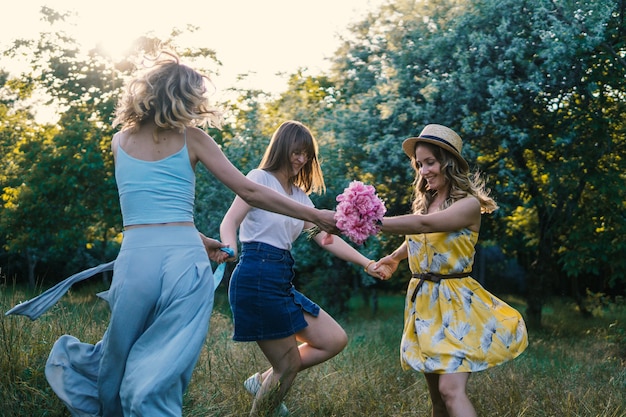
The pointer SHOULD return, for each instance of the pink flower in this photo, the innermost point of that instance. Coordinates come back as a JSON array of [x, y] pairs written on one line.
[[359, 212]]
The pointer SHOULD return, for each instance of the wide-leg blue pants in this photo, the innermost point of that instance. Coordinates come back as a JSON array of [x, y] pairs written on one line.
[[161, 299]]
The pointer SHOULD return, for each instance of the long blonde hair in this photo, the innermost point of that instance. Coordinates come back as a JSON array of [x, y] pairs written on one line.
[[462, 184], [171, 94], [294, 136]]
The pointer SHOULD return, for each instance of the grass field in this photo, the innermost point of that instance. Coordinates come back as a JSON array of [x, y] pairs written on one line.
[[573, 366]]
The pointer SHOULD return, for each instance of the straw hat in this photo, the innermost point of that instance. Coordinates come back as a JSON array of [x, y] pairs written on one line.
[[441, 136]]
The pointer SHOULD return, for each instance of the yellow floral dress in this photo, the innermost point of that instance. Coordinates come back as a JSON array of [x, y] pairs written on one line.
[[455, 325]]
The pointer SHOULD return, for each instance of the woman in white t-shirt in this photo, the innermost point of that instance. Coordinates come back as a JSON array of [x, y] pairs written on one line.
[[293, 332]]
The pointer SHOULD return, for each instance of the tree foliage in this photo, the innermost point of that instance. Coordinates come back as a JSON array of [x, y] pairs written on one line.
[[256, 116], [536, 90], [535, 87], [60, 203]]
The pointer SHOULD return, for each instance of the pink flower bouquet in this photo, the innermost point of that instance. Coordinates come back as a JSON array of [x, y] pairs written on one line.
[[360, 212]]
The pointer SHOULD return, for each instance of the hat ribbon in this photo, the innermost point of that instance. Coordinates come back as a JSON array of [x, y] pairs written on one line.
[[437, 138]]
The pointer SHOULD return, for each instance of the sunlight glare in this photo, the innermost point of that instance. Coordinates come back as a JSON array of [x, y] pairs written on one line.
[[114, 48]]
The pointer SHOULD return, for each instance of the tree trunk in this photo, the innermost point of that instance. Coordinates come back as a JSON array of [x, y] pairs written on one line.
[[539, 280], [533, 310], [374, 301], [106, 278], [31, 260], [536, 290], [578, 297]]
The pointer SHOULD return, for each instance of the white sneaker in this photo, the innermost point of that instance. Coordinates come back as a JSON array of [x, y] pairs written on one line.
[[253, 385]]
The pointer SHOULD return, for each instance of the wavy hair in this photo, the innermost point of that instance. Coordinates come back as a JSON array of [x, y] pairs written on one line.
[[462, 184], [293, 136], [171, 94]]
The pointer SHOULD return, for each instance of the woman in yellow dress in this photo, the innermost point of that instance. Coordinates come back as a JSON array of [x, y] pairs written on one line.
[[452, 325]]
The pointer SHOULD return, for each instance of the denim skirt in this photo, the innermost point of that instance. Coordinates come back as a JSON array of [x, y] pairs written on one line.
[[263, 300]]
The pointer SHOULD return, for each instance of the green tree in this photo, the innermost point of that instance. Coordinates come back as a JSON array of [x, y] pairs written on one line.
[[536, 89], [548, 122], [16, 222], [311, 100], [61, 202], [60, 207]]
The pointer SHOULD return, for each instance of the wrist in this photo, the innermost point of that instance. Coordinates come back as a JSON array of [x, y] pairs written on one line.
[[395, 257], [366, 267], [313, 215]]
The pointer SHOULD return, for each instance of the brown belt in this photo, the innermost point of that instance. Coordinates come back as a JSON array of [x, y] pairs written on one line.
[[433, 277]]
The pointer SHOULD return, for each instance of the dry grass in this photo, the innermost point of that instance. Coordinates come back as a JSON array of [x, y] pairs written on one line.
[[573, 367]]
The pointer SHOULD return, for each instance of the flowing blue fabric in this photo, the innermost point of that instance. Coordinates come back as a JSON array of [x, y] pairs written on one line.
[[35, 307]]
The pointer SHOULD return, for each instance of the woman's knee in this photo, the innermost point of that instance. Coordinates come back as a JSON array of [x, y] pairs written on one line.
[[334, 341], [340, 341], [452, 386], [324, 334]]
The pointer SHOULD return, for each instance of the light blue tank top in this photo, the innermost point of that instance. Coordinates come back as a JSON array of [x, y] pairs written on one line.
[[152, 192]]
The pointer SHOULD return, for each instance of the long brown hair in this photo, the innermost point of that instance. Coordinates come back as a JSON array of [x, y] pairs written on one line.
[[462, 183], [293, 136]]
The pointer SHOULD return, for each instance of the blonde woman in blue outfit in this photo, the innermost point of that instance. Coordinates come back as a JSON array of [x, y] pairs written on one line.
[[161, 296], [452, 325], [293, 332]]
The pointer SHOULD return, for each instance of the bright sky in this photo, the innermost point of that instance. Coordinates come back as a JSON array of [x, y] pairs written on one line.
[[264, 36]]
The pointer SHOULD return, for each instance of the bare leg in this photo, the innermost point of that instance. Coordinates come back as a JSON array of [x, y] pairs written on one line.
[[284, 356], [449, 396], [439, 406], [322, 339]]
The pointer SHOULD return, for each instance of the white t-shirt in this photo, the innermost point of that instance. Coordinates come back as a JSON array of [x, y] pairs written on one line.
[[272, 228]]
